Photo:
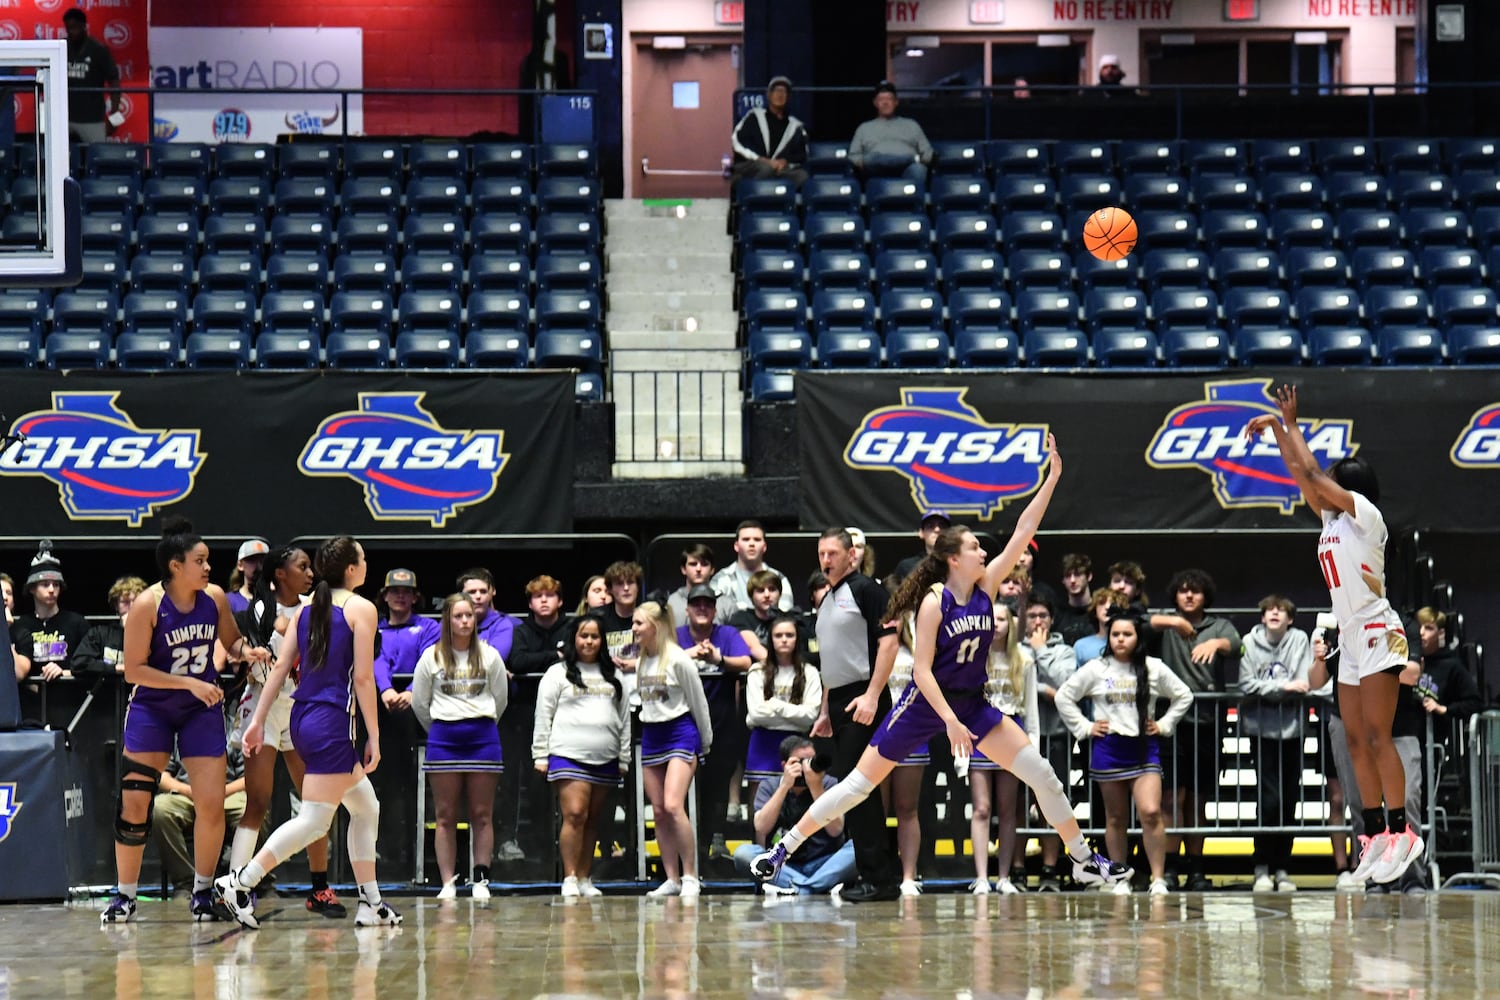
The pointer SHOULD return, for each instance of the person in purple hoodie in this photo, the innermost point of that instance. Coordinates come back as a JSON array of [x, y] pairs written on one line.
[[404, 637], [496, 628]]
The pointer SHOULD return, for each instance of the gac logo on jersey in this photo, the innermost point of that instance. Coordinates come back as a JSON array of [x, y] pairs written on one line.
[[106, 467], [1478, 447], [954, 459], [10, 805], [1209, 435], [411, 469]]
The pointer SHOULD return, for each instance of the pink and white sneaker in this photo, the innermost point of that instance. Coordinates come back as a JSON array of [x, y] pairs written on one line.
[[1401, 850]]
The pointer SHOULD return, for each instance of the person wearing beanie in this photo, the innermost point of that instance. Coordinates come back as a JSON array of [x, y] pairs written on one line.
[[1112, 78], [46, 638], [768, 142]]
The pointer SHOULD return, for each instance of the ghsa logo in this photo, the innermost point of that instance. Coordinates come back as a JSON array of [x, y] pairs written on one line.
[[1209, 435], [106, 467], [411, 469], [953, 458], [10, 806], [1478, 447], [307, 123]]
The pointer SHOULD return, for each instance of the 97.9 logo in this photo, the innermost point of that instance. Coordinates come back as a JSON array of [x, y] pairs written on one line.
[[231, 125]]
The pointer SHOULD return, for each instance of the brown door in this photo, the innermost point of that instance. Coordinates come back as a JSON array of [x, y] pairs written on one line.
[[682, 114]]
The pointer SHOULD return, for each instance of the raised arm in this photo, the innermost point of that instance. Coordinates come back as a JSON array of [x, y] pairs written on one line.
[[1318, 488], [1026, 524]]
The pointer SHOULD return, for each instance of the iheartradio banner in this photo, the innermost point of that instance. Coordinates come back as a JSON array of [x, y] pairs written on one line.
[[1165, 450], [120, 24], [201, 77]]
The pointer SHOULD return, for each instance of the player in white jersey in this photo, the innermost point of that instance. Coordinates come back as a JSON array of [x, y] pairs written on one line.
[[1372, 644]]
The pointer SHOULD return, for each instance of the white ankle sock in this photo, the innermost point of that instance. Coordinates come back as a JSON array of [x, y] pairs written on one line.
[[129, 889], [250, 875], [370, 892], [202, 882]]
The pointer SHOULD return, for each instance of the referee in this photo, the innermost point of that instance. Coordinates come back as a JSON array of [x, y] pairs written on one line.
[[857, 649]]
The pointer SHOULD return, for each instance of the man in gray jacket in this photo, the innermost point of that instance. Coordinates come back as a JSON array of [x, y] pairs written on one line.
[[889, 145], [1273, 676]]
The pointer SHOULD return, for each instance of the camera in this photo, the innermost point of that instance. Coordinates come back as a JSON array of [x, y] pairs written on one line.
[[821, 762]]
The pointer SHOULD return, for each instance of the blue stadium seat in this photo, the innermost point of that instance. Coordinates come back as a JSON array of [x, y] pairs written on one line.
[[1214, 156], [1421, 156], [509, 234], [963, 193], [782, 269], [1295, 227], [830, 158], [1257, 307], [432, 273], [230, 273], [375, 160], [358, 349], [1467, 345], [370, 196], [1046, 309], [1486, 225], [431, 312], [776, 310], [966, 231], [1383, 266], [498, 312], [1475, 191], [830, 194], [188, 160], [1346, 191], [1316, 266], [986, 349], [908, 310], [444, 196], [498, 272], [1031, 231], [571, 272], [1361, 227], [773, 387], [498, 196], [835, 310], [1095, 273], [106, 234], [894, 194], [242, 234], [424, 349], [1280, 191], [218, 350], [1166, 231], [502, 159], [365, 273], [982, 269], [301, 234], [1435, 227], [1070, 157], [977, 311], [81, 312], [224, 313], [758, 195], [1025, 194], [286, 349], [250, 160], [1247, 268], [1190, 308], [959, 159], [1114, 309], [834, 231], [1175, 268], [900, 231], [768, 232], [1223, 192], [83, 349], [1273, 157], [161, 272], [1184, 348], [918, 349], [496, 349], [434, 234], [1155, 193], [167, 234], [1344, 156], [169, 196], [100, 195], [1146, 156], [1039, 269], [577, 311], [1458, 266], [1008, 157], [360, 312], [154, 349], [566, 159], [1350, 345], [1235, 229], [779, 349], [848, 350], [1465, 307], [438, 159], [20, 349], [1052, 348], [116, 159], [300, 273], [906, 269], [1474, 156], [833, 269], [1386, 306], [1121, 348], [305, 196], [1405, 345], [1089, 193], [155, 313], [315, 160], [1423, 191], [104, 273], [1326, 305], [579, 195], [1258, 345], [376, 235]]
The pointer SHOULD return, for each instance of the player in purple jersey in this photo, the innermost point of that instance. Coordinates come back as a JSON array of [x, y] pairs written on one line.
[[952, 592], [337, 633], [170, 635]]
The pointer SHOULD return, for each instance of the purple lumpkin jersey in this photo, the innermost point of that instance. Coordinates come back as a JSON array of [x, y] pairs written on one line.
[[182, 643], [962, 653], [332, 681]]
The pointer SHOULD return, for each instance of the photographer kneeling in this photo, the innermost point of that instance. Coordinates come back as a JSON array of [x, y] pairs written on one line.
[[826, 859]]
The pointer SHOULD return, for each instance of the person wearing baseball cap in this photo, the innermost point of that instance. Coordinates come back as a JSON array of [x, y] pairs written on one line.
[[889, 145], [241, 589], [928, 528], [404, 636], [769, 143], [45, 639]]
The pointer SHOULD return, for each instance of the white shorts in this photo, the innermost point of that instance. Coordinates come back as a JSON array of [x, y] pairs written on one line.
[[1371, 646], [278, 734]]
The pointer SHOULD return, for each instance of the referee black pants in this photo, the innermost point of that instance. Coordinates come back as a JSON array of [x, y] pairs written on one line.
[[874, 852]]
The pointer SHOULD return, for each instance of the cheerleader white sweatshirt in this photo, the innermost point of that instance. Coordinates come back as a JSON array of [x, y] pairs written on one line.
[[1112, 686], [584, 724], [480, 691], [1004, 696], [778, 712], [668, 686]]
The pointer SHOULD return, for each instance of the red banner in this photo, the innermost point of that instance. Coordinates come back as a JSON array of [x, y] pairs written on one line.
[[121, 25]]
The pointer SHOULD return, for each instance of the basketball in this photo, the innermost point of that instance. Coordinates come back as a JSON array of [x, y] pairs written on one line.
[[1109, 234]]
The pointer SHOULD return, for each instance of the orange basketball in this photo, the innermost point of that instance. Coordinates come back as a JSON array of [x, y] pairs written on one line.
[[1109, 234]]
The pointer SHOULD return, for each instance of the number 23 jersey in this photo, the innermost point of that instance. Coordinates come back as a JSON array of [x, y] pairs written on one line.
[[182, 643]]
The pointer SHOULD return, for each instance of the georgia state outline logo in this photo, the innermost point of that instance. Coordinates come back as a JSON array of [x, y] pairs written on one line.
[[10, 806], [106, 468], [411, 468], [953, 458], [1478, 447], [1209, 435]]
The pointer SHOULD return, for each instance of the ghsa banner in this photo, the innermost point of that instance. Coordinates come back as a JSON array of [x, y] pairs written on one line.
[[1139, 451]]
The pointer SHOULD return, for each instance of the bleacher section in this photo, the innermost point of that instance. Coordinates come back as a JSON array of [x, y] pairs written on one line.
[[1329, 252], [428, 255]]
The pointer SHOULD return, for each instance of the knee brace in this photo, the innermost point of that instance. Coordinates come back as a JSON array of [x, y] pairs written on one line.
[[135, 834], [1032, 768], [364, 819], [310, 824], [841, 798]]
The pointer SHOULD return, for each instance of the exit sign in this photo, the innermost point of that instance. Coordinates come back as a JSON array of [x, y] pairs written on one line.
[[729, 12], [1242, 10], [986, 11]]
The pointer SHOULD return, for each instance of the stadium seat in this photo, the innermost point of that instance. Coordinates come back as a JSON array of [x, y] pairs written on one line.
[[496, 349], [1258, 345], [274, 349], [1046, 309], [184, 160], [83, 349], [1089, 193], [168, 196], [290, 312], [1458, 266], [432, 273], [1166, 231], [1246, 268], [966, 231], [242, 234], [224, 313], [756, 195], [1147, 156], [1385, 306], [1409, 346], [161, 272], [848, 350], [433, 234], [299, 273], [116, 159], [1274, 157], [377, 235], [1025, 194], [305, 196], [1383, 266], [1477, 190], [910, 310], [766, 232], [430, 312], [1114, 309], [1095, 273], [1257, 307], [906, 269], [568, 311], [1421, 156], [20, 349], [1039, 269], [360, 312], [497, 196], [167, 234], [917, 349], [1121, 348], [438, 160], [103, 273], [1453, 306], [1467, 345], [982, 269], [106, 234], [424, 349], [986, 349], [900, 231], [375, 160], [496, 272], [1326, 305], [498, 312], [316, 160], [830, 194], [1223, 192], [588, 387], [1155, 193], [834, 231], [963, 193], [831, 158], [894, 194], [100, 195], [365, 273], [1293, 227], [779, 349], [831, 269], [1361, 227], [1344, 156], [762, 269], [370, 196], [81, 312], [777, 310], [502, 159], [230, 273], [1053, 348], [358, 349], [1009, 157], [575, 272], [1031, 231], [1471, 155], [305, 234], [444, 196], [1086, 157], [1183, 348], [1485, 223], [959, 159], [218, 350], [1190, 308], [1235, 229], [580, 195], [979, 311], [1175, 268], [1434, 227], [835, 310], [248, 160], [1301, 191], [1214, 156], [565, 159], [1423, 191], [504, 235], [773, 387], [1307, 266], [1350, 345], [154, 349], [1346, 191]]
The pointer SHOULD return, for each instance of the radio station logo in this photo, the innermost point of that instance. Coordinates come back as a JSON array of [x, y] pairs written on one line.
[[953, 458], [1478, 447], [308, 123], [231, 125], [164, 129], [1209, 435], [411, 468], [10, 806], [106, 468]]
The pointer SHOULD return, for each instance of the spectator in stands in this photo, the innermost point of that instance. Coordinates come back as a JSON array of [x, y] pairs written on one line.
[[540, 637], [864, 553], [1014, 588], [826, 859], [623, 581], [595, 595], [697, 565], [173, 812], [103, 648], [888, 145], [1092, 647], [536, 646], [1201, 649], [783, 695], [46, 639], [817, 589], [1129, 579], [1445, 686], [496, 628], [1273, 675], [1012, 689], [8, 591], [750, 558], [1035, 586], [404, 637], [1111, 76], [1022, 91], [1055, 663], [755, 625], [932, 524], [770, 143], [1075, 617], [93, 82], [242, 581]]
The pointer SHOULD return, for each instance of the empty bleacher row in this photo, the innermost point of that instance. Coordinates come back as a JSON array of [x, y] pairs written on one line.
[[432, 255], [1270, 252]]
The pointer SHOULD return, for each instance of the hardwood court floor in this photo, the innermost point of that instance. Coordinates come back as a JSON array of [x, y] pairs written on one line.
[[1230, 946]]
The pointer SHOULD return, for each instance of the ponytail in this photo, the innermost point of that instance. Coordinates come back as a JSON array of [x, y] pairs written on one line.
[[319, 619], [932, 569]]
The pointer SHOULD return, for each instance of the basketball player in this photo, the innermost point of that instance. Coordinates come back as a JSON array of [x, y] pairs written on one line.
[[337, 630], [1372, 644], [952, 591], [170, 634]]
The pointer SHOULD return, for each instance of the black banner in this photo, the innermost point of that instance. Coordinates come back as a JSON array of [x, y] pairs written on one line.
[[1164, 450], [282, 453]]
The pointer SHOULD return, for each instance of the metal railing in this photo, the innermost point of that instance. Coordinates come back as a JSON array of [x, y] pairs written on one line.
[[1484, 790], [683, 414]]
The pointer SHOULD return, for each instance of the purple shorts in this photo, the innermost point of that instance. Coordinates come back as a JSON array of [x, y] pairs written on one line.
[[675, 739], [466, 745], [198, 729], [567, 769], [1119, 758], [763, 758], [324, 737], [911, 722]]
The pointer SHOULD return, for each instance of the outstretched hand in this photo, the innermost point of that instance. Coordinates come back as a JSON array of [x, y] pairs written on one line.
[[1286, 398], [1053, 458], [1258, 426]]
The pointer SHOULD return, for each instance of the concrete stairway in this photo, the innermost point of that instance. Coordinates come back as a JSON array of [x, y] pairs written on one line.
[[674, 368]]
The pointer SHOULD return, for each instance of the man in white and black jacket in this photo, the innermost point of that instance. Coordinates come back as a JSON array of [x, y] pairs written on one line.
[[769, 142]]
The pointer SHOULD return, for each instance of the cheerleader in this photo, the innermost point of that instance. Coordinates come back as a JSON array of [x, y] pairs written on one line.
[[903, 791], [459, 692], [782, 698], [1012, 689], [675, 733], [1124, 751], [581, 742]]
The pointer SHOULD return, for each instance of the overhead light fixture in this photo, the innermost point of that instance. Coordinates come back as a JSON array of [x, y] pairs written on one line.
[[915, 53], [1058, 41], [923, 41], [669, 42]]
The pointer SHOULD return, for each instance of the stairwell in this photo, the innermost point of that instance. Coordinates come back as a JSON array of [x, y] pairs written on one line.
[[674, 367]]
